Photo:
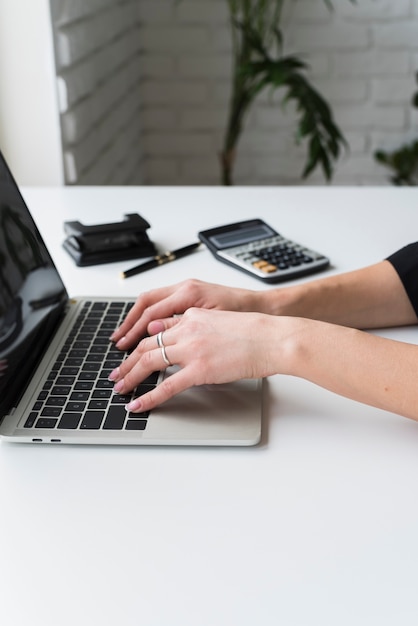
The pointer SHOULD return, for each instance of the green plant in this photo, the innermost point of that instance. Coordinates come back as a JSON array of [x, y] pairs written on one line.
[[402, 162], [259, 63]]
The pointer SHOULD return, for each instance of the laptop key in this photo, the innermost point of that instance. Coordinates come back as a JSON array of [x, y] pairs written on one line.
[[82, 345], [115, 418], [94, 356], [102, 341], [92, 420], [64, 380], [58, 390], [98, 404], [51, 411], [44, 422], [104, 383], [76, 353], [79, 396], [87, 375], [121, 399], [73, 362], [31, 420], [70, 371], [75, 406], [91, 367], [111, 364], [56, 401], [101, 394], [136, 424], [98, 348], [69, 420], [84, 385]]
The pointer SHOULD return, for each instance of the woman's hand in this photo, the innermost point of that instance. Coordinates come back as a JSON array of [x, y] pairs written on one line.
[[222, 346], [159, 305], [219, 334], [209, 347]]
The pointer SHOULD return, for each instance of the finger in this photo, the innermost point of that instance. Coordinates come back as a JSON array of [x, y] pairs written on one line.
[[158, 326], [134, 326], [137, 358], [127, 381], [143, 301], [171, 386], [137, 367]]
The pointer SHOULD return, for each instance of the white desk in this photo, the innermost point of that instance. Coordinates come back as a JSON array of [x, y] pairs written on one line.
[[316, 526]]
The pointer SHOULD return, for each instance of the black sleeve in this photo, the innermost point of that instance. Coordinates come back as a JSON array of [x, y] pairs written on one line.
[[405, 262]]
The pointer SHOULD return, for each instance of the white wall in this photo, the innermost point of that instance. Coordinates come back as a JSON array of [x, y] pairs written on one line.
[[98, 59], [29, 124], [363, 57]]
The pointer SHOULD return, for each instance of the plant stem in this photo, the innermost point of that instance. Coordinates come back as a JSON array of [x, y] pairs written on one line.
[[240, 102]]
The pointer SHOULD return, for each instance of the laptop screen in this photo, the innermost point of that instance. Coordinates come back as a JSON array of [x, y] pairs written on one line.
[[32, 295]]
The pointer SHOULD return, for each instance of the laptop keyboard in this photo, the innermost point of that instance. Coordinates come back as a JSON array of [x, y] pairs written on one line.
[[77, 393]]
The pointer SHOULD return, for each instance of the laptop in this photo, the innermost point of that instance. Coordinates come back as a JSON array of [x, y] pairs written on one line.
[[56, 356]]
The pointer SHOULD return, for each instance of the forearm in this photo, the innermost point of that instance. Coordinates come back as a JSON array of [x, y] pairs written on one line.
[[372, 297], [216, 347], [363, 367]]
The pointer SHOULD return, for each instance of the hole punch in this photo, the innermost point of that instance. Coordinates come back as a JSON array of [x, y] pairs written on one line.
[[108, 243]]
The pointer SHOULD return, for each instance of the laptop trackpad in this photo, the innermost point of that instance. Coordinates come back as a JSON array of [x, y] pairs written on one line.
[[227, 414]]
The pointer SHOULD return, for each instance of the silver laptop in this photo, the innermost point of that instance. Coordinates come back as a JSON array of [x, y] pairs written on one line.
[[55, 359]]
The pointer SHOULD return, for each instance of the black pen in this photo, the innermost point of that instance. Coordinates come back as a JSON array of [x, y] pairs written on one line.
[[161, 259]]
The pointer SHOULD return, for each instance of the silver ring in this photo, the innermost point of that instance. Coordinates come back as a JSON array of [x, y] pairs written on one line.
[[165, 357], [163, 352]]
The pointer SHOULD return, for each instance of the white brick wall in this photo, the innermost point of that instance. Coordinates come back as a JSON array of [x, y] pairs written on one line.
[[363, 57], [97, 48]]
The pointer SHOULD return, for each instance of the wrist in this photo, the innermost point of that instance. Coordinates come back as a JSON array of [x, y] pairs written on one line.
[[284, 301], [294, 344]]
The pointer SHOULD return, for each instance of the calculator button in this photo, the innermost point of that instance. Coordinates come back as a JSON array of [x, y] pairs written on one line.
[[260, 264], [268, 269]]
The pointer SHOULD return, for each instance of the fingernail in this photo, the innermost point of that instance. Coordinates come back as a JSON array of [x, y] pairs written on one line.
[[115, 374], [155, 327], [119, 386], [121, 342], [135, 405]]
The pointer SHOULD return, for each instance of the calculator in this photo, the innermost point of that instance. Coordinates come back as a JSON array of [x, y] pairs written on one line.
[[257, 249]]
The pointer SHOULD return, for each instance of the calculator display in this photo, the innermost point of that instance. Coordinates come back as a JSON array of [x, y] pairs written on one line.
[[241, 236]]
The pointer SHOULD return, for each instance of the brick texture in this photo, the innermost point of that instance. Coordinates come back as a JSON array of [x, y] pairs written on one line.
[[98, 64], [363, 57], [144, 87]]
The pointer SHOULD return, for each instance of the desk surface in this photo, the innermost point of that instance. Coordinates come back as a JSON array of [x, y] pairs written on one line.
[[316, 526]]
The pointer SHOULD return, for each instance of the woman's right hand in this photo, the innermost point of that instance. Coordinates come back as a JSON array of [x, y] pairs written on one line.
[[208, 347]]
